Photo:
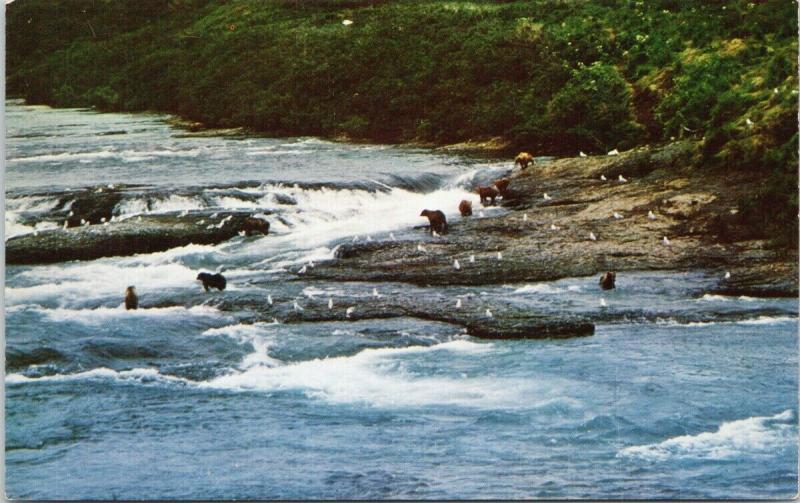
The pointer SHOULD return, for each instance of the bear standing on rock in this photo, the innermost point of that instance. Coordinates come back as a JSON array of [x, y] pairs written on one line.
[[501, 185], [212, 280], [465, 207], [487, 193], [251, 225], [437, 220], [523, 159], [607, 280]]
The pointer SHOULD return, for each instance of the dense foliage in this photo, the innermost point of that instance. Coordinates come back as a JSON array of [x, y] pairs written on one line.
[[554, 76]]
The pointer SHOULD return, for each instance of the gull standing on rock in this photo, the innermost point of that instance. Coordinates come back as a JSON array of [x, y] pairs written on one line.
[[617, 215], [472, 259], [458, 304], [421, 248], [302, 270], [349, 311], [582, 154], [622, 179], [727, 275], [546, 197], [592, 236], [375, 293], [603, 302], [665, 241], [269, 299], [297, 307], [524, 217], [330, 303], [603, 178], [613, 152], [499, 255], [554, 227], [488, 314], [651, 215], [456, 264]]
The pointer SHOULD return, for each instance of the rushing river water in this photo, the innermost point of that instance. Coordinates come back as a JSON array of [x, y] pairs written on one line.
[[681, 394]]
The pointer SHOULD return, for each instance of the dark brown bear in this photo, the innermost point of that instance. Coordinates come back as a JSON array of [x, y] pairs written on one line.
[[523, 159], [131, 299], [465, 207], [437, 220], [607, 280], [487, 193], [251, 225], [212, 280], [502, 185]]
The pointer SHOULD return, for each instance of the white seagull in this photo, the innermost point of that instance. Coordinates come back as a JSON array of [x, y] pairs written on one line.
[[421, 248], [546, 197], [481, 214], [554, 227], [302, 270], [488, 314], [83, 222], [330, 303], [592, 236], [138, 219], [458, 304], [749, 122], [603, 178], [391, 236], [617, 215], [65, 224], [622, 179], [727, 275], [651, 215], [434, 234], [369, 238], [499, 255], [242, 233], [71, 213], [375, 293], [269, 299], [581, 154], [349, 311], [614, 152], [603, 302], [524, 217], [297, 306], [456, 264], [665, 241], [347, 22], [472, 259]]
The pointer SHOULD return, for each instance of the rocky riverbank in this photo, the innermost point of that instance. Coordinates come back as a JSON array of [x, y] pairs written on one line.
[[646, 209]]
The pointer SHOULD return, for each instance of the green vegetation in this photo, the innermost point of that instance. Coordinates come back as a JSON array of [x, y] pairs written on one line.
[[552, 76]]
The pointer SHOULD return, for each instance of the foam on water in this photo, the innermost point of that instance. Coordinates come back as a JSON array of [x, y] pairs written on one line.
[[542, 288], [378, 377], [103, 315], [139, 375], [754, 436]]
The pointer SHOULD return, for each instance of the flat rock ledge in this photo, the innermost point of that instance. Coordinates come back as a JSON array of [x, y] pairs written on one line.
[[148, 234], [505, 322]]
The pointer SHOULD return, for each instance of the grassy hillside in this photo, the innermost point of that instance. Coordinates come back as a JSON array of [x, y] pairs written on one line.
[[552, 76]]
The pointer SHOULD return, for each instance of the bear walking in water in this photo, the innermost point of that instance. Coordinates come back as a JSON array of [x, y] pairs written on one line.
[[523, 159], [465, 207], [251, 225], [131, 299], [487, 193], [212, 280], [607, 280], [437, 220]]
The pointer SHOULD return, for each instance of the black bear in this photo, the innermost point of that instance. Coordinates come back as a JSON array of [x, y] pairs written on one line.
[[437, 220], [212, 280]]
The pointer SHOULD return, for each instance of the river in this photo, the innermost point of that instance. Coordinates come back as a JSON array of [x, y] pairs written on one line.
[[182, 399]]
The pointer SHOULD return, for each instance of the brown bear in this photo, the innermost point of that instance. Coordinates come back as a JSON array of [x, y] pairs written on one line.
[[465, 207], [487, 193], [131, 299], [437, 220], [607, 280], [501, 185], [523, 159], [212, 280], [251, 225]]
